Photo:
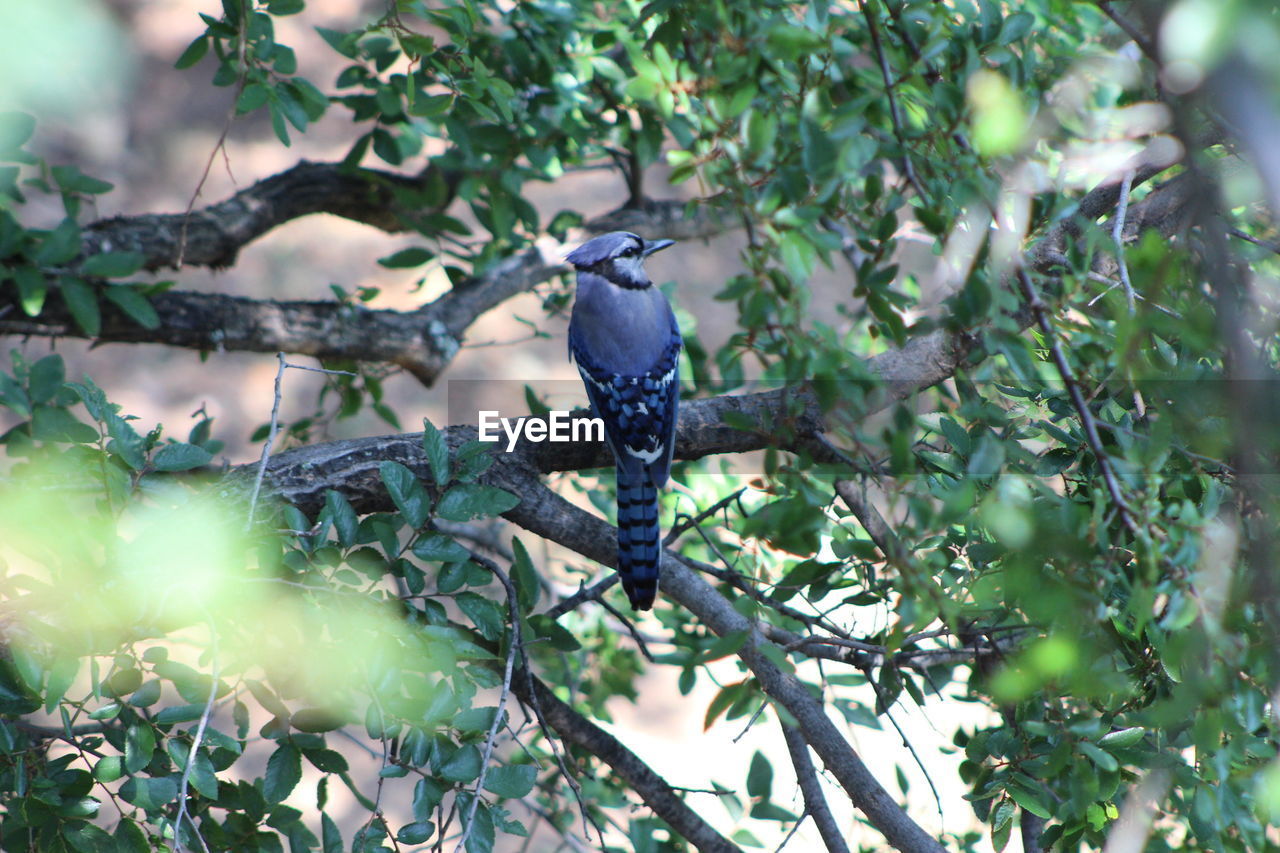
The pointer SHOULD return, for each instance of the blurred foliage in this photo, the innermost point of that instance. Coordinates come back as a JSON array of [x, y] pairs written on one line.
[[165, 656]]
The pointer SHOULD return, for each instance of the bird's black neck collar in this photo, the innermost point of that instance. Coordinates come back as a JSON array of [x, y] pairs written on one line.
[[610, 273]]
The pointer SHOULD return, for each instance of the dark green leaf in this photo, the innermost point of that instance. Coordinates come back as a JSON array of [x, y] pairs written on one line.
[[60, 245], [32, 288], [136, 306], [56, 424], [139, 744], [284, 771], [760, 777], [406, 493], [149, 794], [180, 457], [466, 501], [464, 766], [437, 451], [438, 548], [46, 378], [194, 52], [112, 264], [82, 301], [511, 780]]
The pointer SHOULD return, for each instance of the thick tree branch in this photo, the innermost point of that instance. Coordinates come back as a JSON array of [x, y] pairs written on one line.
[[213, 236], [423, 341]]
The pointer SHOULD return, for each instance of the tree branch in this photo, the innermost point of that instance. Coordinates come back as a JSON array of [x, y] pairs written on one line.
[[814, 801], [423, 341], [215, 234], [652, 788]]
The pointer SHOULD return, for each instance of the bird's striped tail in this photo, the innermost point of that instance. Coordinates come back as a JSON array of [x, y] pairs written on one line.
[[639, 543]]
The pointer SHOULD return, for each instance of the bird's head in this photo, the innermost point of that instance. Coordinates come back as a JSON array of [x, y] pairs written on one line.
[[618, 256]]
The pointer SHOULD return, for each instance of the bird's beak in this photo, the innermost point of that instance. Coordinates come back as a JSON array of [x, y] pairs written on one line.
[[656, 246]]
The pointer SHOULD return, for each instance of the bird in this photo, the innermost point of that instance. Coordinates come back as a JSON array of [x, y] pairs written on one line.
[[626, 343]]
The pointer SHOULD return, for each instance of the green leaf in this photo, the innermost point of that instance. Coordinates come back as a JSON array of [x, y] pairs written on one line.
[[406, 492], [415, 256], [416, 833], [325, 760], [179, 714], [463, 766], [251, 98], [525, 577], [112, 264], [987, 457], [82, 301], [438, 548], [1028, 801], [1122, 737], [546, 628], [437, 451], [46, 378], [1105, 761], [482, 831], [1015, 27], [344, 519], [149, 794], [56, 424], [139, 744], [343, 43], [278, 125], [511, 781], [284, 771], [760, 777], [32, 288], [60, 245], [194, 52], [427, 794], [483, 613], [180, 457], [136, 306], [109, 768], [466, 501], [15, 129]]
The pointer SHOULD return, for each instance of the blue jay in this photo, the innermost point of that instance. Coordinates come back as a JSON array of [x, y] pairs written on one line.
[[624, 338]]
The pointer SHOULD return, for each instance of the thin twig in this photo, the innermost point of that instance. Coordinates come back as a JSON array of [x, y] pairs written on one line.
[[791, 834], [1257, 241], [196, 740], [815, 803], [751, 722], [894, 114], [272, 430], [937, 798], [491, 737], [684, 522], [1037, 307], [584, 594], [1117, 235], [323, 370], [635, 635], [1112, 285], [513, 610]]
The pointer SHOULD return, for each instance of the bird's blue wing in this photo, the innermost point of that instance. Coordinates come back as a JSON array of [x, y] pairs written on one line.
[[639, 412]]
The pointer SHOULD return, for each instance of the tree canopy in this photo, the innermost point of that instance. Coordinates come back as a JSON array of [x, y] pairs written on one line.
[[993, 431]]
